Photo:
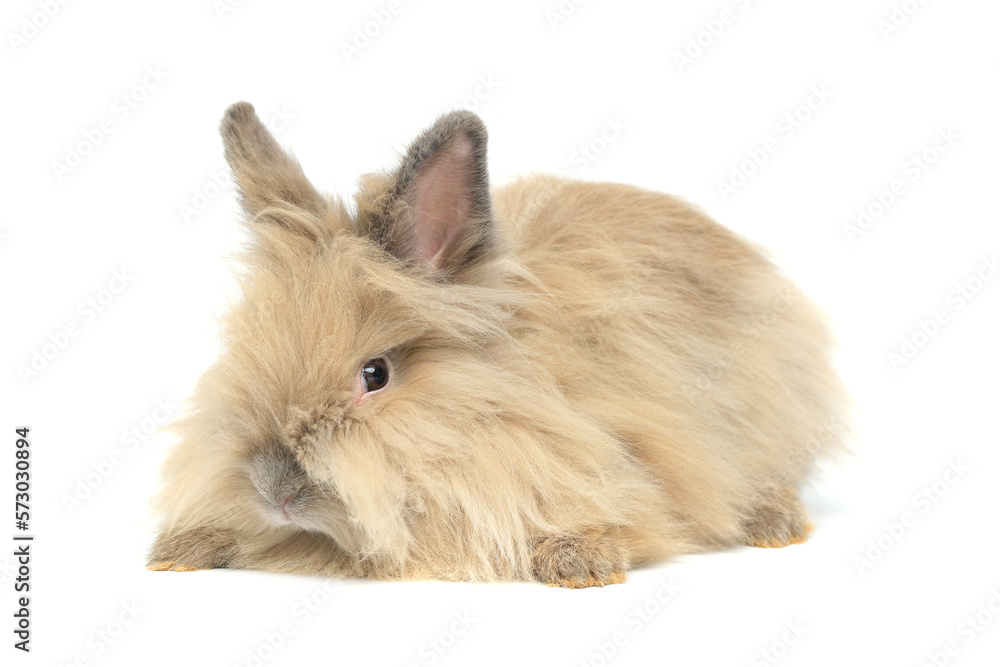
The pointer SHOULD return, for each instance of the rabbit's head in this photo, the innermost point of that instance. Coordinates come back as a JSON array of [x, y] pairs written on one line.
[[361, 355]]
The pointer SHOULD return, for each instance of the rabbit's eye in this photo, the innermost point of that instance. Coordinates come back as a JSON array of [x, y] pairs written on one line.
[[375, 375]]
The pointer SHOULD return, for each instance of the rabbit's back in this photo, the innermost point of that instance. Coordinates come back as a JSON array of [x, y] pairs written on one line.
[[682, 338]]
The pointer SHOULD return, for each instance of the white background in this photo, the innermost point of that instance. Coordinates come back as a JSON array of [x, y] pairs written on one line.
[[890, 576]]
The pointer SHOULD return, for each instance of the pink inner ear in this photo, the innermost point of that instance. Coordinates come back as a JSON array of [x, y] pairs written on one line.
[[440, 202]]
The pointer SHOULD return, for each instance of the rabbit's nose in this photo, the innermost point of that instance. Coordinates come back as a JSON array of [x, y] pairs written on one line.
[[286, 505]]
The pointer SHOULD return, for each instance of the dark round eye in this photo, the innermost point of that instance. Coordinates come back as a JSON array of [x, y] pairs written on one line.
[[375, 374]]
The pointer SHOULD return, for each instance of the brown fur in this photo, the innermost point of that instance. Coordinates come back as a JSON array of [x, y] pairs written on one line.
[[585, 378]]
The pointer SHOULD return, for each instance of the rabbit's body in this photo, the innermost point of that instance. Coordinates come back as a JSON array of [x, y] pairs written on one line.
[[584, 378]]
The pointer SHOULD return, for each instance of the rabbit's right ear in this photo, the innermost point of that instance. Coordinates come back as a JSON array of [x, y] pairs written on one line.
[[436, 209], [270, 180]]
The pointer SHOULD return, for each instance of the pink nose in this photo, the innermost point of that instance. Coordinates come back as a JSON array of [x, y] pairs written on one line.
[[285, 506]]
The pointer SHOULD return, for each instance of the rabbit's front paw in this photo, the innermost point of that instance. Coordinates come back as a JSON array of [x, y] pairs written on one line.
[[579, 561], [778, 520], [199, 549]]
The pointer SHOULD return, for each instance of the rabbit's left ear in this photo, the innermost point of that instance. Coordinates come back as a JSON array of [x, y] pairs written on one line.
[[271, 183], [439, 210]]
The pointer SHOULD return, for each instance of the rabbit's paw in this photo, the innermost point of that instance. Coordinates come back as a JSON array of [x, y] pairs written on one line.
[[578, 561], [162, 565], [199, 549], [778, 520]]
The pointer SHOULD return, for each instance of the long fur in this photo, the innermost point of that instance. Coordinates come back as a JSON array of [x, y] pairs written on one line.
[[586, 377]]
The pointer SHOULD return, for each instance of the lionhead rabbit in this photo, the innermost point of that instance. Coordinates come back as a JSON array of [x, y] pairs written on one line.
[[553, 380]]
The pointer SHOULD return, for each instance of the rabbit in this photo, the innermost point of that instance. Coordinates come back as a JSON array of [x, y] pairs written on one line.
[[553, 381]]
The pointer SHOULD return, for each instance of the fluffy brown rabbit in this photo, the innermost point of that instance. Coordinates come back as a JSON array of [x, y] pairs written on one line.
[[553, 380]]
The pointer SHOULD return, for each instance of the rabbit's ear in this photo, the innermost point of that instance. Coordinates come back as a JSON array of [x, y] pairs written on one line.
[[269, 179], [441, 212]]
